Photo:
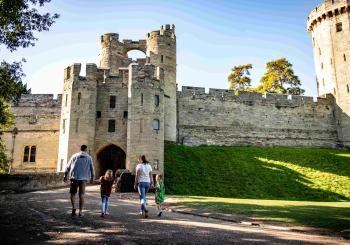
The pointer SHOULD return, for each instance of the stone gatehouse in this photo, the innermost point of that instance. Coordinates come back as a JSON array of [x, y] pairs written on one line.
[[123, 108]]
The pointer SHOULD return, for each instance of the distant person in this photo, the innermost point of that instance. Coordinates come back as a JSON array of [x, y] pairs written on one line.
[[80, 169], [160, 192], [106, 189], [143, 181]]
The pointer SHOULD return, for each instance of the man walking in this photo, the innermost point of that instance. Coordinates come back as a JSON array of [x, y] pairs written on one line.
[[80, 169]]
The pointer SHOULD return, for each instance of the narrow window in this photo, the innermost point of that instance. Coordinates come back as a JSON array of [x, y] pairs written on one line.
[[161, 59], [344, 56], [319, 51], [111, 125], [66, 101], [331, 61], [61, 165], [79, 98], [98, 114], [112, 100], [77, 125], [156, 100], [64, 126], [339, 27], [141, 99], [348, 88], [125, 115], [26, 154], [155, 124], [141, 125], [313, 41], [32, 153], [322, 66]]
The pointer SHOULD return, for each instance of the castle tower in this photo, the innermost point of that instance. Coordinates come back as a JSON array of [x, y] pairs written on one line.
[[161, 52], [329, 27], [78, 111], [112, 54]]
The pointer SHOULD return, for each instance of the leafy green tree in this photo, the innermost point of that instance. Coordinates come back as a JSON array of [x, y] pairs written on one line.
[[279, 78], [239, 78], [19, 21]]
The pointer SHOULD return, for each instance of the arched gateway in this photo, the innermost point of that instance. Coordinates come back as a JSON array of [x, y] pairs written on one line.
[[110, 157]]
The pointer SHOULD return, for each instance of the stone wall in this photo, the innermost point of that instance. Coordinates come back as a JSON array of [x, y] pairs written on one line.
[[31, 182], [221, 118], [36, 124]]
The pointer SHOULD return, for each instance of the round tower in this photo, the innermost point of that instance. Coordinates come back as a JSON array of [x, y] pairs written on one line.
[[161, 52], [112, 54], [329, 27]]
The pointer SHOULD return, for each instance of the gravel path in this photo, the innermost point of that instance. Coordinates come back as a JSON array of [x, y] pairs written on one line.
[[44, 218]]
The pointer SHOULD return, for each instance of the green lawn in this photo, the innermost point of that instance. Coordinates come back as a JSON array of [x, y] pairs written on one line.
[[330, 215], [258, 173]]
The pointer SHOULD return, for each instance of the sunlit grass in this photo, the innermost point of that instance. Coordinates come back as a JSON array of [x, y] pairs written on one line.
[[329, 215]]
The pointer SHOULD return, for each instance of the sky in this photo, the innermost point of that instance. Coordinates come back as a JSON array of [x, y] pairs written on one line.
[[212, 38]]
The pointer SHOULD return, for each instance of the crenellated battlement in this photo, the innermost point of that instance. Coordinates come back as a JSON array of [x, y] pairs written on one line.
[[329, 9], [229, 95], [39, 100], [165, 30]]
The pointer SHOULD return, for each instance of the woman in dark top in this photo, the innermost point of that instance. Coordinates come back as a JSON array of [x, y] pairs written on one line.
[[106, 189]]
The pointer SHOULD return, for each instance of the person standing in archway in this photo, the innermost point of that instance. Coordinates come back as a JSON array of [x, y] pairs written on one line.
[[80, 169], [143, 181]]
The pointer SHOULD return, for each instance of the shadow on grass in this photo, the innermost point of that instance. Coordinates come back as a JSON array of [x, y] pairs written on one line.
[[332, 218], [250, 172]]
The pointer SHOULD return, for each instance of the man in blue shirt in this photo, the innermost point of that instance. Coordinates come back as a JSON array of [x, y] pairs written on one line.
[[80, 169]]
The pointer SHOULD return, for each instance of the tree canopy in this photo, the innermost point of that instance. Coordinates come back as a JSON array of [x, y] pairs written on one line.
[[20, 20], [280, 78], [239, 78]]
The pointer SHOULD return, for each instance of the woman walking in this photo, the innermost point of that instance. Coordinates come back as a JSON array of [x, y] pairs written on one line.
[[143, 181]]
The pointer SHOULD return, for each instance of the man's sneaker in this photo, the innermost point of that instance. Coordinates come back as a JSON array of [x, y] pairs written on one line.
[[102, 215], [146, 214], [160, 214], [73, 212]]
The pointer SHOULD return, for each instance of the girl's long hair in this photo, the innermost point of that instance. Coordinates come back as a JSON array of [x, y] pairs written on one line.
[[109, 175], [142, 158]]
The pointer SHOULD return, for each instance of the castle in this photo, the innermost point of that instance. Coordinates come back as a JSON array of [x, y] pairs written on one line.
[[123, 108]]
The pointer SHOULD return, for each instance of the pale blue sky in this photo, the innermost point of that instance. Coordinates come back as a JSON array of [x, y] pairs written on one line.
[[212, 37]]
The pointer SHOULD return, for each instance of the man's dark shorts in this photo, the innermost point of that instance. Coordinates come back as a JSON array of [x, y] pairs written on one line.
[[75, 184]]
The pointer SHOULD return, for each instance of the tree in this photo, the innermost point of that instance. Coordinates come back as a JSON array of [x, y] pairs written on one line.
[[279, 78], [238, 79], [19, 21]]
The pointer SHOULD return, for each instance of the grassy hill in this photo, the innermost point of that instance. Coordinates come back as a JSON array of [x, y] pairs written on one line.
[[258, 173]]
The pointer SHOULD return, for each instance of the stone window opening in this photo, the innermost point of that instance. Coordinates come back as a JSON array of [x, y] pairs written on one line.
[[66, 101], [348, 88], [79, 98], [61, 165], [125, 115], [344, 56], [112, 101], [161, 58], [155, 125], [322, 65], [29, 154], [111, 126], [313, 41], [339, 27], [64, 126], [77, 125], [141, 98], [98, 114], [141, 126], [156, 100]]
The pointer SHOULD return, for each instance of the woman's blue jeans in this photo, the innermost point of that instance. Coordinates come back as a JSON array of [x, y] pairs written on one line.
[[104, 204], [143, 188]]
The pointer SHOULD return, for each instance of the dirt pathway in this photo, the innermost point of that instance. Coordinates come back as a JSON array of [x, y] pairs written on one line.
[[44, 218]]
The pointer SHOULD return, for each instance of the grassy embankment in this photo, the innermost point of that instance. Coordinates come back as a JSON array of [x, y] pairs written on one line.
[[305, 186]]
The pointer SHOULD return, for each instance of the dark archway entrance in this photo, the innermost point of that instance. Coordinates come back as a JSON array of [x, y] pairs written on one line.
[[110, 157]]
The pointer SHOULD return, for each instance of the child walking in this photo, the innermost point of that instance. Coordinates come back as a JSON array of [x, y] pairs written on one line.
[[106, 189], [160, 191]]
